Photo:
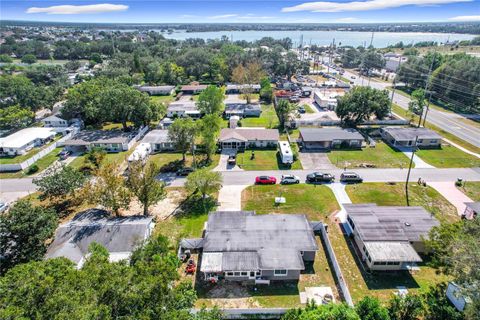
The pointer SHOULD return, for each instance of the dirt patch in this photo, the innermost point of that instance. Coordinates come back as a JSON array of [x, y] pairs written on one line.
[[229, 295], [163, 209]]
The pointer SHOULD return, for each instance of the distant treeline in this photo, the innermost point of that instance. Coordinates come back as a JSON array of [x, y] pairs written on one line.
[[442, 27]]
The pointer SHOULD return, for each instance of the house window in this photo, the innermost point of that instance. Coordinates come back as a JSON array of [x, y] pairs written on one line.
[[229, 274], [364, 249], [280, 272], [244, 273], [433, 141], [237, 274], [259, 273], [420, 141]]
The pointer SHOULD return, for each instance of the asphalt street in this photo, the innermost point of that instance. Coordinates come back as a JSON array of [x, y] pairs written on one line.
[[448, 121]]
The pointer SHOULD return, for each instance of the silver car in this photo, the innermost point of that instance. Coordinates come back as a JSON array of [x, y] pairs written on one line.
[[3, 206], [289, 179]]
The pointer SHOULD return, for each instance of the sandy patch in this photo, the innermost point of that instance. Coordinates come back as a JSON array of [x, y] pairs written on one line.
[[162, 210], [229, 295]]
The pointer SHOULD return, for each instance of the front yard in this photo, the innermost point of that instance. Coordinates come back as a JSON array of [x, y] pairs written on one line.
[[42, 164], [448, 157], [393, 194], [382, 156], [264, 160], [165, 159], [268, 118], [471, 189], [28, 155]]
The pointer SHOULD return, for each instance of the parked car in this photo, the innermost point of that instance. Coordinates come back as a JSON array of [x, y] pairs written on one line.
[[317, 177], [353, 77], [301, 109], [64, 154], [265, 180], [3, 206], [232, 159], [184, 171], [289, 179], [350, 177]]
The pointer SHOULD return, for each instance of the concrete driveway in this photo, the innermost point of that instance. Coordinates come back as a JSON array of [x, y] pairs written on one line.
[[230, 198], [315, 160], [223, 162]]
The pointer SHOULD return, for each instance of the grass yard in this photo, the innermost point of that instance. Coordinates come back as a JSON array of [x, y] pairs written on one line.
[[165, 158], [387, 194], [268, 118], [42, 164], [315, 201], [264, 160], [448, 157], [471, 189], [408, 115], [117, 158], [308, 108], [162, 99], [382, 156]]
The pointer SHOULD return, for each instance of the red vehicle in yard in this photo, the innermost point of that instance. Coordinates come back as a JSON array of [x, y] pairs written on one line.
[[265, 180]]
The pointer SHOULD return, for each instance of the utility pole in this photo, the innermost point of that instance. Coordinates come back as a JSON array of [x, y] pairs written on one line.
[[427, 85], [394, 85], [371, 42], [410, 169]]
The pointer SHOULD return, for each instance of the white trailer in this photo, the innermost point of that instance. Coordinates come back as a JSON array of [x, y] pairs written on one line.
[[141, 152], [285, 152]]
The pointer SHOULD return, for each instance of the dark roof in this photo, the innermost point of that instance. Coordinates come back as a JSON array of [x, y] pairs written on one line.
[[100, 136], [117, 235], [269, 241], [156, 89], [229, 107], [329, 134], [409, 133], [390, 223]]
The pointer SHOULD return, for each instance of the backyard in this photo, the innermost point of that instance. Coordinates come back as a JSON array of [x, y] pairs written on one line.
[[471, 189], [264, 160], [448, 157], [268, 118], [381, 156]]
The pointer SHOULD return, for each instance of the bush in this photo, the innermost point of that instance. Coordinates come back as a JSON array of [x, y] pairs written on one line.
[[32, 169]]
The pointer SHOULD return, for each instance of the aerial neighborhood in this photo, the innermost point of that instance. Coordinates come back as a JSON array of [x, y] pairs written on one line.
[[148, 177]]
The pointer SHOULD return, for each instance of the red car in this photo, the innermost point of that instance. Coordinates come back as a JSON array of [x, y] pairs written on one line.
[[265, 180]]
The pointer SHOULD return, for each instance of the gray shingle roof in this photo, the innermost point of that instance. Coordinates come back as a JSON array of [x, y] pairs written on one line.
[[100, 136], [156, 89], [122, 234], [249, 134], [390, 223], [156, 136], [329, 134], [273, 241], [475, 206], [408, 134]]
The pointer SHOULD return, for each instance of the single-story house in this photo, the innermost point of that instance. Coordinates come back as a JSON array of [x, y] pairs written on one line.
[[405, 137], [329, 138], [389, 237], [24, 140], [165, 123], [158, 140], [157, 90], [54, 121], [239, 88], [110, 140], [119, 235], [182, 109], [472, 210], [242, 110], [244, 246], [193, 89], [327, 101], [241, 138]]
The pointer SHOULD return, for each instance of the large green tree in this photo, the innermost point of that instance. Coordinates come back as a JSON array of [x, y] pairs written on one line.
[[24, 230], [210, 101], [285, 111], [60, 181], [361, 103], [15, 117], [370, 309], [204, 181], [209, 128], [182, 134]]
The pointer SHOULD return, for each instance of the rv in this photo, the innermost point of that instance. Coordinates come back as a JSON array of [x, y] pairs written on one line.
[[141, 153], [285, 152]]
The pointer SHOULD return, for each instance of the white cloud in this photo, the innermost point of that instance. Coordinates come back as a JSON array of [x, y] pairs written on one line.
[[327, 6], [223, 16], [465, 18], [70, 9]]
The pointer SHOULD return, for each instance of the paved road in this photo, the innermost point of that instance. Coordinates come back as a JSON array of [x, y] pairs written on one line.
[[448, 121]]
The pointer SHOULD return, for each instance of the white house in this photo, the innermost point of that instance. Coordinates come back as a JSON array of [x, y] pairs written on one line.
[[109, 140], [24, 140], [241, 138], [158, 141], [54, 121]]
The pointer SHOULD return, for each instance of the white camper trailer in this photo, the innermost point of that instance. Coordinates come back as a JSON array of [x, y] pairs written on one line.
[[285, 152], [141, 152]]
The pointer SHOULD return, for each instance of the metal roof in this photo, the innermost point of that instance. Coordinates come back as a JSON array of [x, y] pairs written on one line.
[[277, 239], [26, 136], [390, 223], [329, 134], [475, 206], [392, 251], [409, 133]]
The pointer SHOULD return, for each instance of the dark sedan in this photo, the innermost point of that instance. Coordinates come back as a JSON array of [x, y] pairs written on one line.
[[319, 177]]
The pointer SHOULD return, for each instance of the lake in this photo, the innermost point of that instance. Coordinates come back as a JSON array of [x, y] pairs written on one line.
[[323, 38]]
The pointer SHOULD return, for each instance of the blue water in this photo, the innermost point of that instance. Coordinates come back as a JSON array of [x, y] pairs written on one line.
[[351, 38]]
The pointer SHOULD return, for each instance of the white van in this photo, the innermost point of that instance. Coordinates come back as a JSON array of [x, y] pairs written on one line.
[[285, 152]]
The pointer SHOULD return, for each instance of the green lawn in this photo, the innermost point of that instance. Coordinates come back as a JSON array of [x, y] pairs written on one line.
[[164, 158], [387, 194], [382, 156], [42, 164], [471, 189], [448, 157], [162, 99], [408, 115], [264, 160], [268, 118], [315, 201], [117, 158], [308, 108]]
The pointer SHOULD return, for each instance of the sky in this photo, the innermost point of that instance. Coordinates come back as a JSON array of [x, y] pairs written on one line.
[[240, 11]]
